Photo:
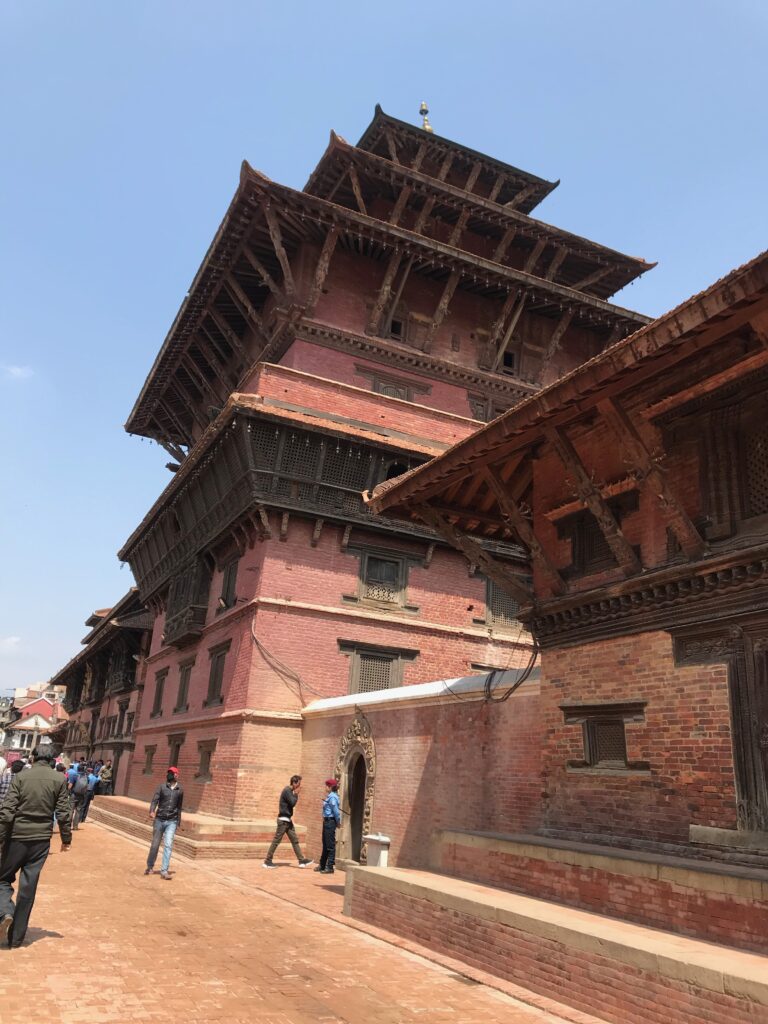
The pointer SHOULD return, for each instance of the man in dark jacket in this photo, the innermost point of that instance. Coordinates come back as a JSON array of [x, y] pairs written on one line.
[[26, 826], [165, 810], [288, 800]]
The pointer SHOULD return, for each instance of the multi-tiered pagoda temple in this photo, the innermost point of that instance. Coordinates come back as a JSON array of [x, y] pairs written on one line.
[[333, 338]]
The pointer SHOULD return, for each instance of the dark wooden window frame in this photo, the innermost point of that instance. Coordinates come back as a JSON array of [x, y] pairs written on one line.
[[382, 383], [596, 721], [402, 562], [228, 595], [215, 695], [157, 702], [175, 743], [590, 551], [397, 656], [205, 750], [149, 757], [185, 671]]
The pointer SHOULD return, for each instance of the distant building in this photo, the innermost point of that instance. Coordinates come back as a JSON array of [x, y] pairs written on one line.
[[36, 718]]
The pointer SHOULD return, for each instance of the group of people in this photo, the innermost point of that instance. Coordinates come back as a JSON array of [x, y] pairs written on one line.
[[85, 780], [331, 821]]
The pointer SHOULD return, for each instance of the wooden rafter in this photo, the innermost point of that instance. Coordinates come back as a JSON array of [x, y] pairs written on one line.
[[390, 312], [593, 499], [560, 253], [561, 327], [188, 400], [509, 330], [473, 175], [321, 269], [243, 303], [418, 160], [391, 147], [199, 378], [316, 532], [497, 187], [173, 449], [374, 323], [520, 525], [358, 192], [506, 240], [204, 349], [426, 210], [400, 204], [653, 479], [593, 278], [442, 308], [228, 332], [273, 224], [533, 258], [459, 226], [213, 342], [522, 196], [264, 274], [445, 167], [508, 581], [178, 425]]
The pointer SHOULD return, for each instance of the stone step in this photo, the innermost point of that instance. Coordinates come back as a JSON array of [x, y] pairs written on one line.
[[717, 902], [254, 846], [196, 825], [625, 973]]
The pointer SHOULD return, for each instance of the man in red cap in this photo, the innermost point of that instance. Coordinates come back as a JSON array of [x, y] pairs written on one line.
[[331, 821], [165, 810]]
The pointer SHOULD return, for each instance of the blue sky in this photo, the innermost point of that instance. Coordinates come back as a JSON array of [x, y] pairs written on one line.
[[124, 126]]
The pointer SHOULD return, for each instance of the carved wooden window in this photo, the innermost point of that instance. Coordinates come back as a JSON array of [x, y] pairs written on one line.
[[755, 460], [157, 704], [149, 757], [175, 743], [228, 596], [205, 749], [500, 607], [375, 668], [182, 697], [129, 723], [382, 578], [590, 551], [216, 676], [604, 733]]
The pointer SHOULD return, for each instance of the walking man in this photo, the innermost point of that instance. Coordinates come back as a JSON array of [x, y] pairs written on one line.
[[78, 790], [288, 799], [93, 779], [26, 826], [331, 821], [165, 810]]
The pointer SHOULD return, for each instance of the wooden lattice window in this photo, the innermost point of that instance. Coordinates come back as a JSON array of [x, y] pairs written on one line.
[[604, 733], [175, 743], [501, 607], [205, 749], [149, 757], [382, 578], [590, 551], [300, 456], [755, 456], [375, 668]]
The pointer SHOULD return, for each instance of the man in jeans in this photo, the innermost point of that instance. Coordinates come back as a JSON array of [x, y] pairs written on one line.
[[288, 800], [165, 810]]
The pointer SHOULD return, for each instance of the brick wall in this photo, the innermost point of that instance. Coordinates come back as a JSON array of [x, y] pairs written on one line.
[[460, 764], [685, 738]]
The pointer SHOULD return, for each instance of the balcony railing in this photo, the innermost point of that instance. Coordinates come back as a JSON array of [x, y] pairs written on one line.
[[186, 625]]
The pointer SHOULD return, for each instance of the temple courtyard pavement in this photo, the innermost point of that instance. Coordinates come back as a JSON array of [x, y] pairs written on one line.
[[228, 941]]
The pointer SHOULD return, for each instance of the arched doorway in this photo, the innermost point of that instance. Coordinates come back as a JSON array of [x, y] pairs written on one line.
[[356, 775]]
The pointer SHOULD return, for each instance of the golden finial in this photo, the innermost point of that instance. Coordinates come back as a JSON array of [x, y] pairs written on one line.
[[424, 111]]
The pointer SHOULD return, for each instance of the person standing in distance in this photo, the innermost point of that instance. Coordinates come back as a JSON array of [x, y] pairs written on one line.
[[288, 800], [26, 827], [165, 810], [331, 821]]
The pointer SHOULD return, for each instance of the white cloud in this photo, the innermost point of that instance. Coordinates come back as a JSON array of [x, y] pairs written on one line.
[[9, 644], [11, 372]]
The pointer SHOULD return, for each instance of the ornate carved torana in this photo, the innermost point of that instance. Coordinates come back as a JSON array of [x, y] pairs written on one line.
[[358, 738]]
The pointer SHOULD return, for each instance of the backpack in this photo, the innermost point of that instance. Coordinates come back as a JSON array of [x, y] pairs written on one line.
[[80, 787]]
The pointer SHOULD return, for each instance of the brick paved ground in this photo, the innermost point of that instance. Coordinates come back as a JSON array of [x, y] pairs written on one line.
[[108, 944]]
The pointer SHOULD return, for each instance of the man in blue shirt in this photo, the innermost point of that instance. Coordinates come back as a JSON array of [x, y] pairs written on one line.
[[331, 821], [93, 778]]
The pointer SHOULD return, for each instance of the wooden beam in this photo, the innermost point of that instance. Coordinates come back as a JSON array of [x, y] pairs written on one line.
[[560, 253], [653, 479], [316, 532], [243, 303], [516, 314], [215, 343], [374, 323], [264, 274], [188, 399], [510, 510], [402, 200], [178, 425], [228, 332], [533, 257], [521, 196], [442, 308], [396, 297], [459, 226], [426, 210], [284, 519], [506, 240], [277, 241], [561, 327], [507, 580], [204, 348], [264, 521], [474, 174], [391, 147], [173, 450], [445, 167], [705, 387], [421, 152], [497, 187], [594, 500], [353, 177], [592, 278], [201, 380], [321, 269]]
